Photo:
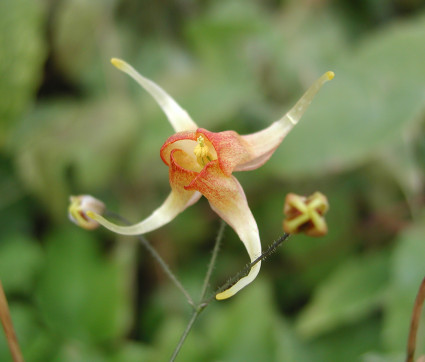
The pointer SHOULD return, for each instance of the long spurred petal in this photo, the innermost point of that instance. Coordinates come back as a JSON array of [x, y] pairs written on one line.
[[178, 117], [177, 201], [262, 144], [172, 206], [228, 200]]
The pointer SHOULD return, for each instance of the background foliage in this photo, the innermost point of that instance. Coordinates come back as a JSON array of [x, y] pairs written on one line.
[[71, 124]]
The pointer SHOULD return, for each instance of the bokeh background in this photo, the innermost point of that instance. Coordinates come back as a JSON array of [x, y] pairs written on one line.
[[70, 123]]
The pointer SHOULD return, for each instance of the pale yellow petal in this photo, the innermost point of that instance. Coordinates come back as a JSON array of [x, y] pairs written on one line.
[[173, 205], [178, 117], [262, 144]]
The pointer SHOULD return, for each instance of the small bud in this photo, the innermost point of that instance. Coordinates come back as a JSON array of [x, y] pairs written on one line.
[[80, 205], [306, 214]]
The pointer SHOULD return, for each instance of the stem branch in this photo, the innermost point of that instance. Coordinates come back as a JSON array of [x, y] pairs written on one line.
[[414, 324], [9, 331], [158, 258], [204, 303], [201, 306], [213, 259]]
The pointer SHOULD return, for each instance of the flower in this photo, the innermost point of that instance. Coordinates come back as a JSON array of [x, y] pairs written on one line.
[[306, 214], [202, 162], [80, 205]]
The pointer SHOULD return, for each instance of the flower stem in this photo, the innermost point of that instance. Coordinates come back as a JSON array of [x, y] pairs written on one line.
[[213, 259], [204, 303], [189, 326], [201, 306], [159, 259], [414, 324], [9, 331]]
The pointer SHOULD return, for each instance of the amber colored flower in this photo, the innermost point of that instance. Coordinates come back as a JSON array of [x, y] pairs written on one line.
[[202, 162]]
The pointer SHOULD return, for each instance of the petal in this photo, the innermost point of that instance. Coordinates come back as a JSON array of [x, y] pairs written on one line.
[[228, 200], [178, 117], [178, 200], [262, 144], [230, 147], [185, 141]]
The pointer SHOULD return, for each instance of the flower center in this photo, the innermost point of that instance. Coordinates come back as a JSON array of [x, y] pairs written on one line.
[[202, 152]]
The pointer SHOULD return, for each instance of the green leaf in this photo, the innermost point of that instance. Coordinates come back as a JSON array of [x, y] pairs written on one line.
[[378, 357], [20, 262], [348, 343], [407, 272], [246, 328], [34, 342], [80, 294], [132, 352], [378, 90], [352, 292], [85, 141], [22, 52], [83, 41]]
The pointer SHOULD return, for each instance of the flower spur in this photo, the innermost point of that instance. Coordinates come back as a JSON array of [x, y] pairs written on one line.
[[201, 163]]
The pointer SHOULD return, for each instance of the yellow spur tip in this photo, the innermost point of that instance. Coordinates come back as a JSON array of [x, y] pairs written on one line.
[[117, 63]]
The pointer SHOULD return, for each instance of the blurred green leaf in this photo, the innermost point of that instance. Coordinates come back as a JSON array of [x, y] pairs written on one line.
[[22, 52], [407, 272], [377, 92], [80, 293], [348, 343], [76, 352], [20, 261], [401, 161], [378, 357], [246, 328], [289, 347], [132, 352], [35, 343], [353, 291], [83, 41], [69, 143]]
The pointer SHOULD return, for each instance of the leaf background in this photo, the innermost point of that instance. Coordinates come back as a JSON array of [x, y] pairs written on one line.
[[71, 124]]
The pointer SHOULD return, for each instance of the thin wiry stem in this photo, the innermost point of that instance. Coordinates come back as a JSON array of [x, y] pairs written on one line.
[[158, 258], [204, 303], [201, 306], [414, 324], [213, 259], [189, 326], [9, 331]]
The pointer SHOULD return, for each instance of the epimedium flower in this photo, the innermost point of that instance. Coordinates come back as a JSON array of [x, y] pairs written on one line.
[[202, 162]]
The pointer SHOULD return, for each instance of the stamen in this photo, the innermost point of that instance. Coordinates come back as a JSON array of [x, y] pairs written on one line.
[[202, 152]]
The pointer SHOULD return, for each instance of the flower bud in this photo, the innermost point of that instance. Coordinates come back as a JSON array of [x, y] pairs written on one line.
[[305, 214], [77, 211]]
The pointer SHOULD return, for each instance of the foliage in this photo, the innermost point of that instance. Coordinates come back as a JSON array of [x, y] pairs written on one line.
[[71, 124]]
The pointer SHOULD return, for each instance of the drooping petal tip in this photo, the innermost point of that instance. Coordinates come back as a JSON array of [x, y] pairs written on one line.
[[330, 75]]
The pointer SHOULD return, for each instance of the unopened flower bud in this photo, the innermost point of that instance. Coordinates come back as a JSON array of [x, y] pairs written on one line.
[[77, 211], [305, 214]]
